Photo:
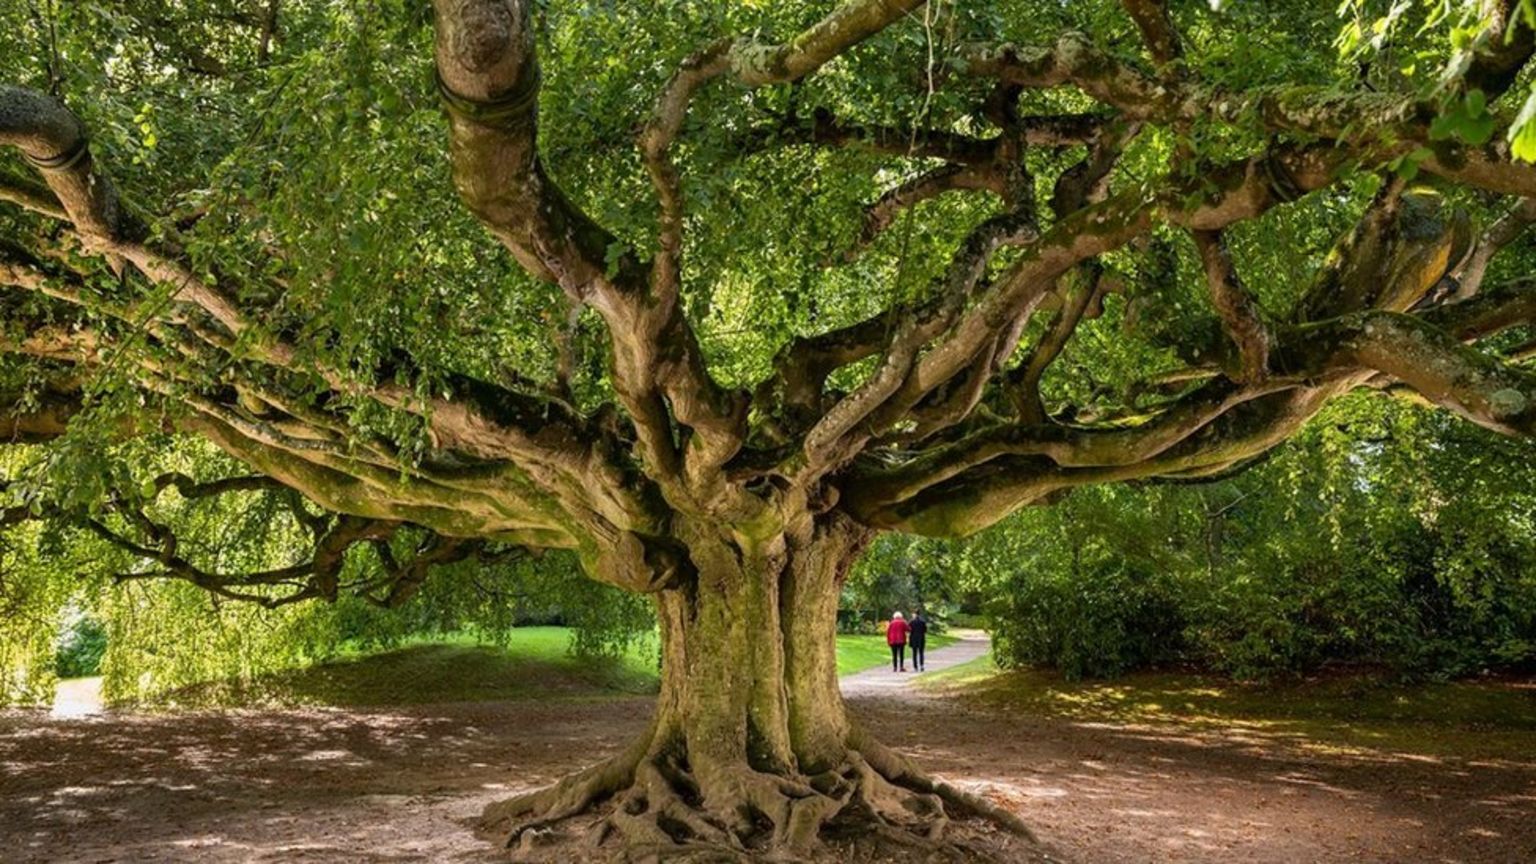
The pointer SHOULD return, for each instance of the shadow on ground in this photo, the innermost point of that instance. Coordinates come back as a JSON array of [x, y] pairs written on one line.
[[397, 784]]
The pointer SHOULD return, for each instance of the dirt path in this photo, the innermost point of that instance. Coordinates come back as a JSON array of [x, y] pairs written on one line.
[[399, 785], [78, 697], [881, 681]]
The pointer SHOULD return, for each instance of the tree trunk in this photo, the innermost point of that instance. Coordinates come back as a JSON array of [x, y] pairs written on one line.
[[750, 752]]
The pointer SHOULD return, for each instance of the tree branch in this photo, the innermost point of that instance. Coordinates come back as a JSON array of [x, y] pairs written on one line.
[[970, 483], [1503, 232], [1157, 30], [853, 21], [948, 178], [1237, 308], [489, 73], [54, 142], [1500, 50], [1434, 363], [1075, 297], [1376, 126]]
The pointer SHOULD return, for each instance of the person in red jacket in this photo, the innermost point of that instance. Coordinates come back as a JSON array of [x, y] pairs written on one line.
[[896, 637]]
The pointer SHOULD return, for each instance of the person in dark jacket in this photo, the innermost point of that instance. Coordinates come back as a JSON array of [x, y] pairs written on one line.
[[896, 637], [917, 637]]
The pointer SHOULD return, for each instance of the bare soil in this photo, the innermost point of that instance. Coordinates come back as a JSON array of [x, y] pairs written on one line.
[[401, 785]]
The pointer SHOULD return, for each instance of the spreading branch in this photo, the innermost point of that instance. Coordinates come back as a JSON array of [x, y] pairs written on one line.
[[944, 428]]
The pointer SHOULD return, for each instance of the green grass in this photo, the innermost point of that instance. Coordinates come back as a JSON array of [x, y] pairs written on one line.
[[1349, 712], [534, 662], [858, 652]]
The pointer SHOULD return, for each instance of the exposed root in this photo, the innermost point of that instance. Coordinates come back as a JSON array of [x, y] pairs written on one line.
[[795, 811], [509, 820], [918, 813], [665, 809], [661, 811], [900, 771]]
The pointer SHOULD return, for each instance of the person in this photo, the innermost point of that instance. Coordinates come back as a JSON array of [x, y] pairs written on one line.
[[896, 637], [917, 637]]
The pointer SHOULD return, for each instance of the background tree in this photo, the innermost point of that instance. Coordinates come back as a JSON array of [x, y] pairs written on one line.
[[896, 576], [858, 276], [1383, 535]]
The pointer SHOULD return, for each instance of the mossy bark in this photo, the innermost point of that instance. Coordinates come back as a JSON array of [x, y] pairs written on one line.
[[751, 752]]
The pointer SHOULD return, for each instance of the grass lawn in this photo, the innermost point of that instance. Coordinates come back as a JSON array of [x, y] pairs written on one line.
[[1340, 712], [459, 667], [454, 667]]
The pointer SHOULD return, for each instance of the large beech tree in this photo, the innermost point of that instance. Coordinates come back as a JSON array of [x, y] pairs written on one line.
[[801, 275]]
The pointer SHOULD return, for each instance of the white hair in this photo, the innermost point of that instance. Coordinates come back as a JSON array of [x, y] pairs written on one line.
[[897, 615]]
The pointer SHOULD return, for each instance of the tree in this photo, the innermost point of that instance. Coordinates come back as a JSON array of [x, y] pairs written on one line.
[[1384, 534], [323, 321]]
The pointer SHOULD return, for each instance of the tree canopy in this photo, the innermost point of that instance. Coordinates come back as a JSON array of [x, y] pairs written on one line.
[[961, 269]]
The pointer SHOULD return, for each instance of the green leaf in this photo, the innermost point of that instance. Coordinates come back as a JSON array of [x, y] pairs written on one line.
[[1444, 127], [1477, 103], [1478, 131], [1522, 132]]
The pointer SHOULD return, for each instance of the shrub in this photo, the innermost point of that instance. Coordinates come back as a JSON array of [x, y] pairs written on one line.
[[82, 642]]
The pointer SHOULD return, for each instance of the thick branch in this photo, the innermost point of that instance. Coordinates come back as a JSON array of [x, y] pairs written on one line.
[[1239, 312], [850, 23], [55, 142], [1465, 380], [1157, 31], [489, 74], [969, 484]]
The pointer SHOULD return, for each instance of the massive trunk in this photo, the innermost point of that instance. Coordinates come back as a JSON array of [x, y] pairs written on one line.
[[750, 751]]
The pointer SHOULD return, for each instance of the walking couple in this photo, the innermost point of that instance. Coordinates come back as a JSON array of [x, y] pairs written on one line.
[[900, 633]]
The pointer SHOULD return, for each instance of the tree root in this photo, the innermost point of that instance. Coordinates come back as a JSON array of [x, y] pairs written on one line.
[[899, 770], [665, 809], [572, 795], [901, 810]]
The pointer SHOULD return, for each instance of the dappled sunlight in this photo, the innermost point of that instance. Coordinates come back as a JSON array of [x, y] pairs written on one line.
[[278, 786], [1216, 772], [1483, 832], [1338, 717], [275, 786]]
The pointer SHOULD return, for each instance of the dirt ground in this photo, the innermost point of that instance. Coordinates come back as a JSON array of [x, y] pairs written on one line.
[[399, 785]]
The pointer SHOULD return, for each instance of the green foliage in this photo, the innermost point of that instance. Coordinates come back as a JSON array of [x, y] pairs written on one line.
[[1382, 535], [897, 574], [1097, 618], [1522, 132], [1466, 120], [164, 635], [320, 168], [82, 643]]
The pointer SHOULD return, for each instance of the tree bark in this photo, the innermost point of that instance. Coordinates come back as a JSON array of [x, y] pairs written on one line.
[[751, 751]]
